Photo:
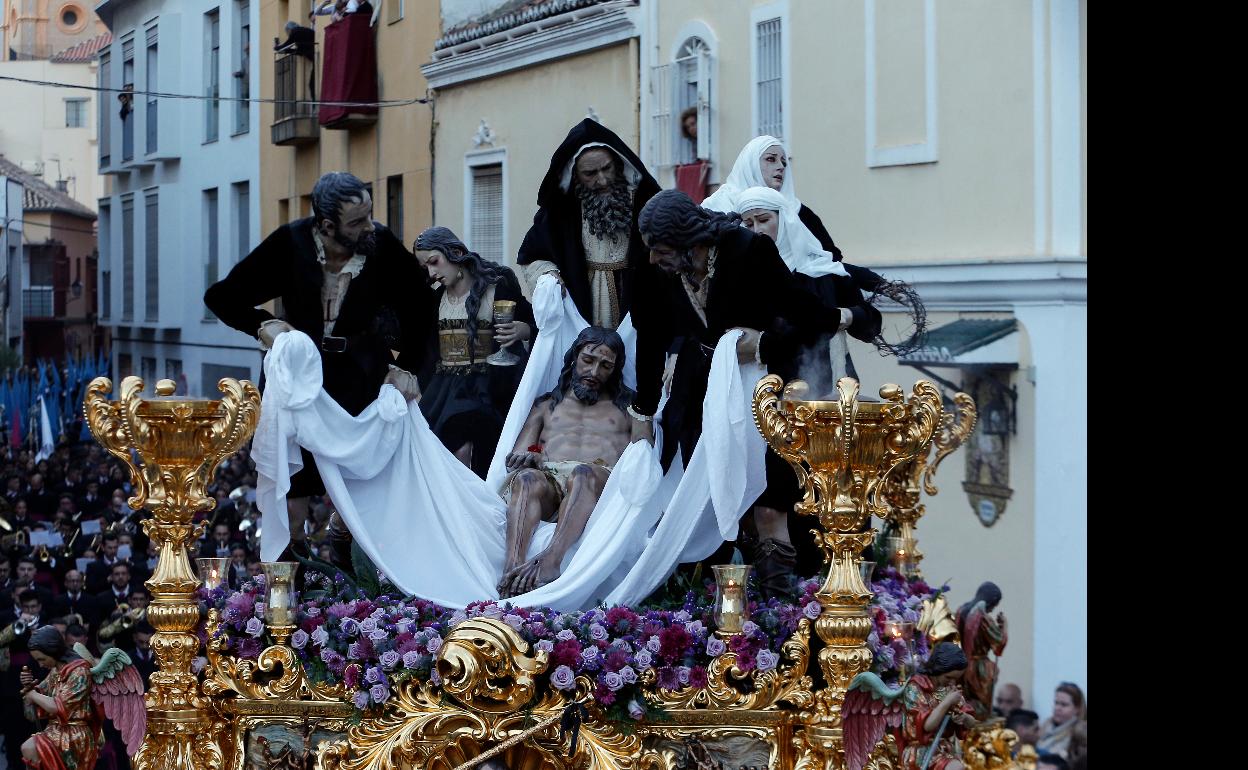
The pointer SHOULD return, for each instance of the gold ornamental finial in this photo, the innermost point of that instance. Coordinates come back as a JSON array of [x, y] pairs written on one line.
[[178, 443], [842, 452]]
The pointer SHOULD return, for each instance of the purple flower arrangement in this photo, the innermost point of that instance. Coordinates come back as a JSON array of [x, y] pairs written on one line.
[[897, 598], [372, 644]]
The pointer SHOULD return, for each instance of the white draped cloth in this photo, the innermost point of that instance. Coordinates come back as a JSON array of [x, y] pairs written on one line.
[[438, 532]]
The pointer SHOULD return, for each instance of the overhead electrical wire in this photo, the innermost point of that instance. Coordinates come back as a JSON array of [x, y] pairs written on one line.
[[202, 97]]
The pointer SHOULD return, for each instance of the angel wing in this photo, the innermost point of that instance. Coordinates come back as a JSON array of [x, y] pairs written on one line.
[[119, 690], [871, 707]]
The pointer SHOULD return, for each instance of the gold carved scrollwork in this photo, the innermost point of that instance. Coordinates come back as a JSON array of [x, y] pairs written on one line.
[[246, 678], [728, 687], [990, 746], [489, 675], [937, 621], [955, 429], [179, 443]]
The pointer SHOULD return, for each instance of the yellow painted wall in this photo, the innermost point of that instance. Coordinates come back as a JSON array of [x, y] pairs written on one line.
[[974, 202], [398, 143], [531, 111]]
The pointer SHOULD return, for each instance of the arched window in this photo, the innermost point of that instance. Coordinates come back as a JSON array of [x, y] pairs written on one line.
[[684, 86], [693, 98]]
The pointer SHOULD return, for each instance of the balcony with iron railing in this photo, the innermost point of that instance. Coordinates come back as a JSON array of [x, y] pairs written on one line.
[[294, 88]]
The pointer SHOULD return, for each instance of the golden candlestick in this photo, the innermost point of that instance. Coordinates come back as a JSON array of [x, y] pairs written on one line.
[[179, 443], [842, 451]]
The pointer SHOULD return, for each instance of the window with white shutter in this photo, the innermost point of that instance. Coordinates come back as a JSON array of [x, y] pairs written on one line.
[[486, 212], [769, 55]]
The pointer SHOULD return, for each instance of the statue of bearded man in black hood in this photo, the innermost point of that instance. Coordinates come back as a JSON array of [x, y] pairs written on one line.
[[585, 230]]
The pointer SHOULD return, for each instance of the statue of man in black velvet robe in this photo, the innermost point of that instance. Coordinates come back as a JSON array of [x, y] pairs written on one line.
[[349, 284], [585, 230]]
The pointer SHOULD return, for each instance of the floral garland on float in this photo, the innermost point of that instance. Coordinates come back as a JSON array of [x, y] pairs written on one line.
[[372, 642]]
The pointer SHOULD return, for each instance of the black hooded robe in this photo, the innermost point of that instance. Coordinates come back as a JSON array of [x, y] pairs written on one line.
[[556, 232]]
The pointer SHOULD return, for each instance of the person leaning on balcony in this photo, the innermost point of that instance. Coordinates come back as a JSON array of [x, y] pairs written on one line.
[[349, 284]]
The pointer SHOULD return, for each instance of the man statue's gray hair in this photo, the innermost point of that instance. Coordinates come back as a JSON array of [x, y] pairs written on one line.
[[331, 191]]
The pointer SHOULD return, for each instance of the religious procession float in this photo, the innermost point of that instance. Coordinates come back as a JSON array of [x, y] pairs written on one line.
[[343, 672]]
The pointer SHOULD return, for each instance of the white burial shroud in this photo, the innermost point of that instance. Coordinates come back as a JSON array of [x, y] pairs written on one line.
[[438, 532]]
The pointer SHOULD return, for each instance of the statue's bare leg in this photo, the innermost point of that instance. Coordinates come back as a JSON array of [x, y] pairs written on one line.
[[585, 485], [531, 498]]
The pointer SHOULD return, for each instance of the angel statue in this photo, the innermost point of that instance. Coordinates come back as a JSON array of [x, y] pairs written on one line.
[[75, 698], [983, 634], [918, 713]]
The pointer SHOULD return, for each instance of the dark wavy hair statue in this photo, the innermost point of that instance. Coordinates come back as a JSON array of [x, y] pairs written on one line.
[[49, 641], [594, 336], [672, 218], [945, 657], [484, 272], [331, 191], [989, 594]]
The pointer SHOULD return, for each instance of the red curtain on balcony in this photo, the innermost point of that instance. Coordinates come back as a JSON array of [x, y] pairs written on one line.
[[348, 69], [691, 179]]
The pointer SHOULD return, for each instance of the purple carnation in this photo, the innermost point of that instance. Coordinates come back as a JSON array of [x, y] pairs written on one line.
[[812, 610], [612, 680], [255, 626], [563, 678], [330, 657], [360, 699], [379, 693], [299, 639], [715, 646]]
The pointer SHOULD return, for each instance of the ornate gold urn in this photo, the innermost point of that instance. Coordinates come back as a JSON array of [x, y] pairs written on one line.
[[179, 444], [843, 451]]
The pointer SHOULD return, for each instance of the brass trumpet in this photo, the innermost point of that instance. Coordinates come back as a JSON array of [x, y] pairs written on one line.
[[127, 620]]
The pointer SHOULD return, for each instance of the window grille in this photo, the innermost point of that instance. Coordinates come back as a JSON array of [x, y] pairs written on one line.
[[487, 211]]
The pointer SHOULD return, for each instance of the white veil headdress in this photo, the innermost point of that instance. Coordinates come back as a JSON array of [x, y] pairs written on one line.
[[798, 247], [746, 173]]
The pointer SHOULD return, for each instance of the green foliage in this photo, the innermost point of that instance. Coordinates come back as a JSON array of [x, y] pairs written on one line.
[[365, 573]]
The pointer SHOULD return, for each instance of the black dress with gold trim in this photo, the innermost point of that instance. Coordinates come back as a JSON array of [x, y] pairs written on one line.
[[464, 398]]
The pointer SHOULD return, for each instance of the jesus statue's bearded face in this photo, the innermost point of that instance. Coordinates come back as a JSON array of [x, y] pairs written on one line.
[[595, 365]]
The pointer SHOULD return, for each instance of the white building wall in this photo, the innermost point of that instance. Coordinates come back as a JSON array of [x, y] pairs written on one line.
[[36, 137], [183, 166]]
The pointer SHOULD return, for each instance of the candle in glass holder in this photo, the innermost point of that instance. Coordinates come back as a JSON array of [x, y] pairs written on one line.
[[212, 571], [279, 577], [731, 607]]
